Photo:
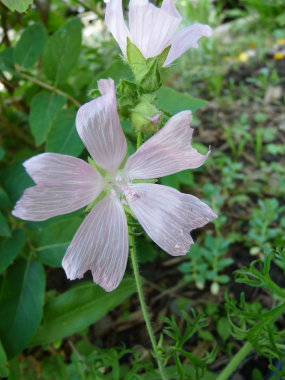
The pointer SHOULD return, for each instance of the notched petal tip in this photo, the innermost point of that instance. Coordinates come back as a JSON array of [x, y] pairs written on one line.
[[100, 245]]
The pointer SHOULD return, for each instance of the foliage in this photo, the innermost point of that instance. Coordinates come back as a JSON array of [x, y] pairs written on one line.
[[259, 326], [207, 263]]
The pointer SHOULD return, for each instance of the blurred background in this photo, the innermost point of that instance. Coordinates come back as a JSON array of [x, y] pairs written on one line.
[[51, 328]]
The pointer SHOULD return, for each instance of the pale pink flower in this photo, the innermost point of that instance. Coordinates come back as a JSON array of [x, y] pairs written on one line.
[[152, 29], [65, 184]]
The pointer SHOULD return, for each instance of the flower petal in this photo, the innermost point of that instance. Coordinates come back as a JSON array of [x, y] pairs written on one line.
[[100, 245], [114, 19], [168, 216], [63, 184], [152, 28], [99, 127], [167, 152], [186, 39]]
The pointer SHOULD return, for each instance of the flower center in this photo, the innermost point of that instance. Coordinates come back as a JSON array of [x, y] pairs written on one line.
[[121, 187]]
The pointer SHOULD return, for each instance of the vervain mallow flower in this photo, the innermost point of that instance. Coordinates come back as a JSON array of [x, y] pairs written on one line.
[[65, 184], [152, 29]]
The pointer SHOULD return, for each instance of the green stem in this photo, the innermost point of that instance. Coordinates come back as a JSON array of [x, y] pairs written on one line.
[[235, 361], [143, 305]]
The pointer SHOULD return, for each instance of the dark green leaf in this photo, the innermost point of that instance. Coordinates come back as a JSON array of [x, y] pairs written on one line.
[[63, 137], [7, 60], [44, 108], [117, 70], [4, 199], [173, 101], [16, 180], [62, 51], [4, 227], [171, 180], [54, 240], [10, 248], [78, 308], [146, 250], [16, 5], [30, 46], [21, 303], [3, 361]]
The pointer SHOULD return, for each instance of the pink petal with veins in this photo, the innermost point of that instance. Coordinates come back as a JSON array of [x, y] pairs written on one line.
[[114, 19], [100, 245], [152, 28], [99, 127], [167, 152], [168, 216], [187, 38], [63, 184]]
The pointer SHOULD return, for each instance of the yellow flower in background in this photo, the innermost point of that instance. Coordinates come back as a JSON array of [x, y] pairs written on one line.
[[279, 56], [243, 57], [281, 41]]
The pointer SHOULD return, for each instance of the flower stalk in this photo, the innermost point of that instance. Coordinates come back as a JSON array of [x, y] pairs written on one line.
[[235, 361], [143, 304]]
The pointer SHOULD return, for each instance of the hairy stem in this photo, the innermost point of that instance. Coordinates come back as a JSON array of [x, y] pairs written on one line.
[[143, 305], [235, 361], [49, 87]]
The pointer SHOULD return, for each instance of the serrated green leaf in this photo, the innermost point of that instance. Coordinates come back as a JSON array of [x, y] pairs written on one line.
[[21, 302], [4, 227], [78, 308], [17, 5], [10, 248], [63, 137], [62, 51], [173, 101], [30, 46], [3, 360], [44, 108], [54, 239]]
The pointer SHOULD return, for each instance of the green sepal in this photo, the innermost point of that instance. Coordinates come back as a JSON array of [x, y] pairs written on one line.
[[128, 211], [149, 78], [163, 55], [142, 110], [151, 180], [95, 93], [127, 95], [124, 161], [98, 199], [146, 71], [135, 58], [97, 167]]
